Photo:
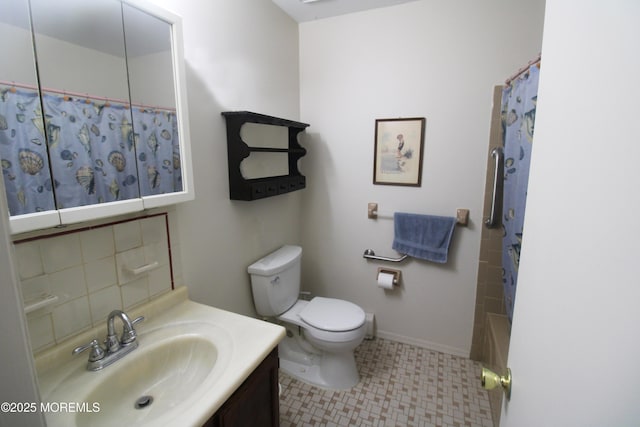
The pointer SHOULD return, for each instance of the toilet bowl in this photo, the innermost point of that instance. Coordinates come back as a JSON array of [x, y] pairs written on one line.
[[321, 333], [329, 362]]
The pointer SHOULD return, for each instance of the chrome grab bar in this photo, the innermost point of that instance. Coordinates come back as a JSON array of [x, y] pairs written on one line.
[[498, 185], [369, 254]]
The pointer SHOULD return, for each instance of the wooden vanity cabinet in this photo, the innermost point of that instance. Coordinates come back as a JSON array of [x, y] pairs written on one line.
[[256, 402]]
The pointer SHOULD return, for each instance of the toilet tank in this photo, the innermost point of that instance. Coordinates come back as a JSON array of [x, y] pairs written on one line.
[[275, 280]]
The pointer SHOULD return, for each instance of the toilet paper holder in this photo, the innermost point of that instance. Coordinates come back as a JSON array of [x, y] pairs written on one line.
[[397, 274]]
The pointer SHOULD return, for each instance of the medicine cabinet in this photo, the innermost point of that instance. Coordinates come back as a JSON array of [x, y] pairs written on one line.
[[263, 153], [93, 111]]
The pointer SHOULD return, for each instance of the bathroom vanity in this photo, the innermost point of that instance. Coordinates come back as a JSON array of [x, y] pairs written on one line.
[[255, 402], [195, 365]]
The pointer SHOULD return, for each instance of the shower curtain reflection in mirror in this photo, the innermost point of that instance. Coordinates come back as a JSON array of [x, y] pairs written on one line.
[[95, 149], [23, 152]]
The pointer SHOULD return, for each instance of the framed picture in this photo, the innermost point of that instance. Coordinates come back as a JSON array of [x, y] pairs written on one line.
[[399, 146]]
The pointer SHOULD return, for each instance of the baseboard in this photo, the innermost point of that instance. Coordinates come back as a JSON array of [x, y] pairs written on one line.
[[424, 344]]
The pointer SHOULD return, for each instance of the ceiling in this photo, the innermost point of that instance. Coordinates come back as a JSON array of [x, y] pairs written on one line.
[[310, 10]]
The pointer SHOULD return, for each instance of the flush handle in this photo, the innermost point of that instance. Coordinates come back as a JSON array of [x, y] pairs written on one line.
[[491, 380], [276, 280]]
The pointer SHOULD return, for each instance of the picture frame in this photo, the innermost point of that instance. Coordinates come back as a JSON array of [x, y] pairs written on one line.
[[398, 151]]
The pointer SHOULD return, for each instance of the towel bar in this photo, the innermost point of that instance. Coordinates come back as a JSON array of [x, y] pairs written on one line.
[[370, 254], [462, 215]]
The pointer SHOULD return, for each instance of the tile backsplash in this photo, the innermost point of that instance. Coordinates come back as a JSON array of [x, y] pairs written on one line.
[[85, 274]]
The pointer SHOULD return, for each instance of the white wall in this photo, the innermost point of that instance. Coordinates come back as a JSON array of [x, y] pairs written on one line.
[[17, 373], [240, 55], [433, 59]]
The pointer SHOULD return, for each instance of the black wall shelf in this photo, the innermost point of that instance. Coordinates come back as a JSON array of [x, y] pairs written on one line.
[[241, 188]]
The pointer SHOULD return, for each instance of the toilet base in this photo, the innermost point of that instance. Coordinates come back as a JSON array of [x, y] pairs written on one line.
[[336, 371]]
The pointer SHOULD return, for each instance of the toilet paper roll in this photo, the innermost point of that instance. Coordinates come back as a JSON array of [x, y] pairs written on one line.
[[385, 280]]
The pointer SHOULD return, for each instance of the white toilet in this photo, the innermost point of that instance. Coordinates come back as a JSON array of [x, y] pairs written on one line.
[[321, 333]]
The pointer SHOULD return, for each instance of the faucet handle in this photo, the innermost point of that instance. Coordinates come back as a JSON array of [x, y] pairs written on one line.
[[96, 353], [137, 320], [129, 335]]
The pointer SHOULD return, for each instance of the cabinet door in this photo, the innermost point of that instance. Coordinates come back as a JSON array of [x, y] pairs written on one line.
[[256, 402], [80, 48], [83, 151], [158, 94], [23, 147]]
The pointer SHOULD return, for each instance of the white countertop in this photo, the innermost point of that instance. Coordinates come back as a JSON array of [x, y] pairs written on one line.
[[242, 344]]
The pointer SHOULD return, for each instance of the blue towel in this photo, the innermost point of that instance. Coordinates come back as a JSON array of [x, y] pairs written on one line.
[[423, 236]]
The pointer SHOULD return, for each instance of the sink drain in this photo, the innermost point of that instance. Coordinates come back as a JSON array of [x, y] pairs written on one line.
[[143, 402]]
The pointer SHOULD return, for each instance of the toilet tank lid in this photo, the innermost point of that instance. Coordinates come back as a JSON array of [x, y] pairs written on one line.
[[276, 261]]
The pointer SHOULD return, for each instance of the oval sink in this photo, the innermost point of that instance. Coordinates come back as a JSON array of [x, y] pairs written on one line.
[[173, 366], [190, 358], [148, 383]]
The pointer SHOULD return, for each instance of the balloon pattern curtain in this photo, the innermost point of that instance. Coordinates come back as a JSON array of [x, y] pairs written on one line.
[[518, 118]]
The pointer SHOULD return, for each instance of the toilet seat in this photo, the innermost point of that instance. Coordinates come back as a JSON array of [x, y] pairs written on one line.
[[332, 315], [349, 311]]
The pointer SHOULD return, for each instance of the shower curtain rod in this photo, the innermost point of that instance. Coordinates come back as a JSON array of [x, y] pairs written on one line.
[[524, 69], [83, 95]]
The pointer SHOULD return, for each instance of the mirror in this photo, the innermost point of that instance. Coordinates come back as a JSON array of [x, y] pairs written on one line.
[[152, 89], [23, 148], [83, 76], [110, 82]]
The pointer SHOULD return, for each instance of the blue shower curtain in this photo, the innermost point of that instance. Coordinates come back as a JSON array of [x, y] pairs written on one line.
[[518, 118], [98, 151]]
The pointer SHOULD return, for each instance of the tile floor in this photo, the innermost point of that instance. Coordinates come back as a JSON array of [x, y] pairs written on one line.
[[401, 385]]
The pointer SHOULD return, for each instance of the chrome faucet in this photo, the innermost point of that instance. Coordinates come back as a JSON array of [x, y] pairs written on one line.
[[115, 348], [128, 333]]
